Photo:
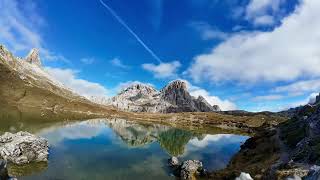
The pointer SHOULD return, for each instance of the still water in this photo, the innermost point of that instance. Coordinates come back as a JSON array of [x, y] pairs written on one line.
[[119, 149]]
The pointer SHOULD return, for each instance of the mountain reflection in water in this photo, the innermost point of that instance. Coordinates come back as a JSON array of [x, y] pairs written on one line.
[[118, 149]]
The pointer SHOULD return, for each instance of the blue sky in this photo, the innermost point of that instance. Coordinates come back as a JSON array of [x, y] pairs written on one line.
[[248, 54]]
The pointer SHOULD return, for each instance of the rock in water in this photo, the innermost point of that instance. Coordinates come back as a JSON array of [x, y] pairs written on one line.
[[314, 173], [244, 176], [3, 170], [173, 161], [23, 147], [190, 168], [33, 57]]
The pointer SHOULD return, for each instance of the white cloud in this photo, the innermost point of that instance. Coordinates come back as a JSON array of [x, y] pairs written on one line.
[[268, 97], [20, 28], [289, 52], [265, 20], [208, 139], [207, 31], [69, 78], [87, 60], [118, 63], [300, 87], [196, 91], [15, 30], [263, 12], [163, 70]]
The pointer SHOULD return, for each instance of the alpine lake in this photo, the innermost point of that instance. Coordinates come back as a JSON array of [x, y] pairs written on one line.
[[116, 149]]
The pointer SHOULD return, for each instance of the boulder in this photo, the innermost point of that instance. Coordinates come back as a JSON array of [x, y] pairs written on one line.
[[244, 176], [191, 168], [3, 170], [23, 148], [173, 161]]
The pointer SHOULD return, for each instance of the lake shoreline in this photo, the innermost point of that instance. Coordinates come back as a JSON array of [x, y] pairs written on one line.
[[251, 124]]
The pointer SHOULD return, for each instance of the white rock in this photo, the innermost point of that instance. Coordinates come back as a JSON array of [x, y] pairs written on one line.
[[244, 176], [173, 161], [190, 168], [23, 147]]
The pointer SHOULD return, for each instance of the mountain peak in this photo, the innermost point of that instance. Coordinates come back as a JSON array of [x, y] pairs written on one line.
[[139, 87], [176, 84], [33, 57]]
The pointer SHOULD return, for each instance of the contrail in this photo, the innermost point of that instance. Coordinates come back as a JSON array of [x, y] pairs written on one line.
[[124, 24]]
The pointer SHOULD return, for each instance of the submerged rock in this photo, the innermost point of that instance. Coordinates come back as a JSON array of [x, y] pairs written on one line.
[[314, 173], [191, 168], [173, 161], [23, 147], [244, 176], [3, 170]]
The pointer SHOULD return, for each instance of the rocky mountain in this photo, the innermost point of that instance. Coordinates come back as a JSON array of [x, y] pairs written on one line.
[[172, 98], [302, 133], [25, 83]]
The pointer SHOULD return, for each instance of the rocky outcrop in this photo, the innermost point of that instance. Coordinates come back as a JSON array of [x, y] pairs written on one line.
[[172, 98], [302, 134], [190, 169], [23, 147], [33, 57]]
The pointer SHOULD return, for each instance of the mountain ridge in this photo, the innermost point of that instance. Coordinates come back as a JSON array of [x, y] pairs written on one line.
[[173, 98], [25, 83]]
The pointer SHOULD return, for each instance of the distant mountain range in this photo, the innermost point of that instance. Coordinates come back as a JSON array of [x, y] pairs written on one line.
[[24, 82], [172, 98]]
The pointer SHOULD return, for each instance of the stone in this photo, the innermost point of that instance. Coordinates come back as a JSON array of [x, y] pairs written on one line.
[[173, 161], [23, 147], [190, 168], [3, 170], [244, 176]]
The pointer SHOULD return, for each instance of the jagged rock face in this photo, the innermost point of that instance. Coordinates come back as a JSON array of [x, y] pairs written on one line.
[[139, 98], [33, 57], [190, 168], [172, 98], [317, 99], [302, 134], [176, 93], [202, 104]]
